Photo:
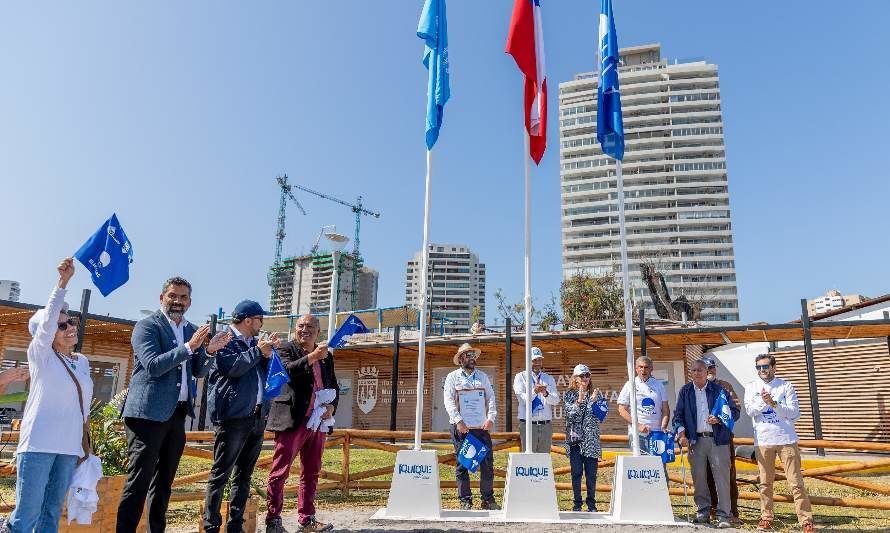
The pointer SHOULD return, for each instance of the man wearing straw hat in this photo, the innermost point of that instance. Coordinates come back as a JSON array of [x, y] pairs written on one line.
[[471, 417]]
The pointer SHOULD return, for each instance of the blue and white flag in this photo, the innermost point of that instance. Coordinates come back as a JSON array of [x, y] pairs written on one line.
[[433, 29], [351, 326], [276, 377], [601, 408], [472, 452], [661, 444], [722, 409], [537, 404], [107, 254], [609, 121]]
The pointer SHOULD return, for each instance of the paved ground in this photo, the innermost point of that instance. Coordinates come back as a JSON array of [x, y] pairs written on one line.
[[358, 520]]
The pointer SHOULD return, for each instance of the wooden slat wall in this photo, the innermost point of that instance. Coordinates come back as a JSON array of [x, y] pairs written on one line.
[[854, 399]]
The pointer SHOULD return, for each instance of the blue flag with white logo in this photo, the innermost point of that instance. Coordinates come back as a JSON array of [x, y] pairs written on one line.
[[107, 254], [276, 377], [600, 408], [472, 452], [661, 443], [352, 326], [433, 29], [609, 121], [722, 409]]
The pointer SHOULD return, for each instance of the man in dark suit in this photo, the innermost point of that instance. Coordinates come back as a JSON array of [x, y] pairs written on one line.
[[169, 355], [310, 367]]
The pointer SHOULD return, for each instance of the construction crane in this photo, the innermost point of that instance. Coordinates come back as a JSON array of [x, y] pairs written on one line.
[[286, 193], [359, 210]]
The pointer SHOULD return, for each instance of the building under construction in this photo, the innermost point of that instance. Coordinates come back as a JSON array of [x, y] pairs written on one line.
[[303, 285]]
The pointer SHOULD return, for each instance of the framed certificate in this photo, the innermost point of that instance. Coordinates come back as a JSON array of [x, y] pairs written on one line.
[[472, 407]]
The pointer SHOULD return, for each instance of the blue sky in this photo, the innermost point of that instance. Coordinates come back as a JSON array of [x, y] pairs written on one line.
[[179, 115]]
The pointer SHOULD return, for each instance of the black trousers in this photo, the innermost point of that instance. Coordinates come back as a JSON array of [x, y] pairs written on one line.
[[154, 450], [486, 468], [237, 447]]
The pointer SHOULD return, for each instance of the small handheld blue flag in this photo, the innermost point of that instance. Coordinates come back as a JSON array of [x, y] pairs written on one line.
[[661, 443], [275, 378], [433, 29], [537, 404], [352, 326], [472, 452], [609, 121], [107, 254], [722, 410], [600, 409]]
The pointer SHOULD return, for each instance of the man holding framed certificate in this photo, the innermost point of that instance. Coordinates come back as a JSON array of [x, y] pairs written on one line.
[[470, 402]]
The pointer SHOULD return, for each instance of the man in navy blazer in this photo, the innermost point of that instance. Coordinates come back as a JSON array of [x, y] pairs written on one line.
[[707, 440], [169, 355]]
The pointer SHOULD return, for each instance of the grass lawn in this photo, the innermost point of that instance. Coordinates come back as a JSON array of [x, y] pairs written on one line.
[[829, 518]]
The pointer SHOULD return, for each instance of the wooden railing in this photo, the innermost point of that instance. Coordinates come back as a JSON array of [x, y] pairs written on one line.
[[346, 479]]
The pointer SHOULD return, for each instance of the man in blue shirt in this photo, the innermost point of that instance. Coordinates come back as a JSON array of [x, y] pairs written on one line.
[[238, 410]]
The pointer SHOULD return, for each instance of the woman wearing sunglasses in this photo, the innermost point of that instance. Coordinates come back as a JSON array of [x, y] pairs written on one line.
[[51, 438], [582, 434]]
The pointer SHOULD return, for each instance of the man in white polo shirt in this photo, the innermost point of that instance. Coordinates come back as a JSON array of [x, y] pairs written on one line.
[[545, 397], [653, 411], [772, 404]]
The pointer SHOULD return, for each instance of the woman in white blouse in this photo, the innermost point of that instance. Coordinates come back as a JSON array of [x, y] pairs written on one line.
[[50, 441]]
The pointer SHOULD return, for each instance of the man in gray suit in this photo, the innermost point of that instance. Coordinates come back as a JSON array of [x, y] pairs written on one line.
[[169, 355]]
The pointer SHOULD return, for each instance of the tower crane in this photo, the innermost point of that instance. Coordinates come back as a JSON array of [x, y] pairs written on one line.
[[286, 193]]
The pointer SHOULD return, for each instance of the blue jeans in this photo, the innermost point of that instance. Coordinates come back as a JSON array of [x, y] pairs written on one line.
[[41, 483], [587, 466]]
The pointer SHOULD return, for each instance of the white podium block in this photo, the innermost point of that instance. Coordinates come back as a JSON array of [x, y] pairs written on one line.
[[640, 494], [530, 491], [414, 492]]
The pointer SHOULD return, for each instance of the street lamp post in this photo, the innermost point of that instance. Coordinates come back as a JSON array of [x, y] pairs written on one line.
[[337, 243]]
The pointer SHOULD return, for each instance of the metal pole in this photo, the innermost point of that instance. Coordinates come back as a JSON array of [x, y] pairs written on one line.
[[528, 300], [82, 323], [508, 383], [628, 315], [811, 373], [424, 268], [335, 278], [202, 414], [393, 396]]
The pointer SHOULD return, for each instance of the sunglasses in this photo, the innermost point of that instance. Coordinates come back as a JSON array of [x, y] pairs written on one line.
[[584, 376], [762, 367], [64, 325]]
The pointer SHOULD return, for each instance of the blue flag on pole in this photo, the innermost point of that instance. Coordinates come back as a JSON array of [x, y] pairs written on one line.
[[107, 254], [472, 452], [276, 377], [609, 121], [433, 29], [351, 326], [601, 408], [722, 410], [661, 443]]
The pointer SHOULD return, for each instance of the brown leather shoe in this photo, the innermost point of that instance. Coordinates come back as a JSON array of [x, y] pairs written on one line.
[[765, 525], [808, 527], [314, 525]]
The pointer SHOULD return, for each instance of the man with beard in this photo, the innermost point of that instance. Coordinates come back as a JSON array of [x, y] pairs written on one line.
[[169, 355], [310, 368], [238, 409], [468, 378]]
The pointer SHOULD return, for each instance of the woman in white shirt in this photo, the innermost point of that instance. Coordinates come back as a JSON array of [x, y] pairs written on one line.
[[50, 441]]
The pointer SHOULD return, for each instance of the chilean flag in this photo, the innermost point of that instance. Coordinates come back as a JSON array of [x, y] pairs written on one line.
[[526, 44]]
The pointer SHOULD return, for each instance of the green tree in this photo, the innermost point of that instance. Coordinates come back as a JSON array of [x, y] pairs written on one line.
[[590, 302]]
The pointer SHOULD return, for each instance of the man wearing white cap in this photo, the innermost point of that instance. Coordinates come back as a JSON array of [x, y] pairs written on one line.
[[544, 397], [471, 417]]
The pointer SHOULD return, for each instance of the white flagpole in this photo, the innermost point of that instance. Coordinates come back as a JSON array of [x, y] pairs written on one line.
[[528, 298], [424, 268], [628, 315]]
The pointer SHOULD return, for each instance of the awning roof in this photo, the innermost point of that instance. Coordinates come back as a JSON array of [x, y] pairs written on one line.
[[14, 317], [656, 338]]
